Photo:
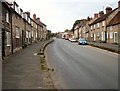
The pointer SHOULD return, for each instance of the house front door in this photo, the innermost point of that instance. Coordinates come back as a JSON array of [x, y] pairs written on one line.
[[23, 39], [115, 37], [3, 44]]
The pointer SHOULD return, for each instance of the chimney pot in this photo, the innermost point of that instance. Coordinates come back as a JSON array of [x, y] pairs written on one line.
[[108, 9], [119, 4], [95, 15], [34, 17], [101, 13]]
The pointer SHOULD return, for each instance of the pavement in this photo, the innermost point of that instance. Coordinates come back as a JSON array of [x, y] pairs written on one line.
[[107, 46], [21, 70]]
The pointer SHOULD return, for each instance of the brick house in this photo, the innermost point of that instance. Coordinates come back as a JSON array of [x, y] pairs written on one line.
[[113, 28], [78, 33], [98, 27], [27, 28], [35, 28], [17, 27], [6, 30], [40, 29], [44, 31]]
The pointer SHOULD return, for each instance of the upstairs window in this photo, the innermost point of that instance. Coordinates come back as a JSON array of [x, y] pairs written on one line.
[[17, 32], [110, 27], [103, 23], [98, 25], [94, 26], [8, 38], [7, 17], [91, 27]]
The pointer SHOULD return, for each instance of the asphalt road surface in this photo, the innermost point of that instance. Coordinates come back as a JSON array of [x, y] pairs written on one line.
[[82, 66]]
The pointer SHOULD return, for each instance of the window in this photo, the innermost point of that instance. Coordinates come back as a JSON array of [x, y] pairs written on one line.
[[91, 35], [32, 23], [17, 32], [98, 25], [103, 23], [111, 35], [7, 17], [32, 33], [36, 26], [98, 34], [94, 26], [36, 34], [110, 27], [107, 35], [27, 34], [8, 38], [91, 27]]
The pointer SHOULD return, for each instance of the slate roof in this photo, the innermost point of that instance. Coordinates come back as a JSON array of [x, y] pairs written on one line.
[[103, 17], [115, 20]]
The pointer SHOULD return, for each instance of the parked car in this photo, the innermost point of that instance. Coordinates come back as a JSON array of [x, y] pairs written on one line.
[[82, 41], [72, 40]]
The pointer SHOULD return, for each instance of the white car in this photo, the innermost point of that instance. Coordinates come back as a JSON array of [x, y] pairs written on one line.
[[73, 40]]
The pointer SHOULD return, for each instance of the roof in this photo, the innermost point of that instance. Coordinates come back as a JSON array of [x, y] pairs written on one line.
[[103, 17], [115, 20]]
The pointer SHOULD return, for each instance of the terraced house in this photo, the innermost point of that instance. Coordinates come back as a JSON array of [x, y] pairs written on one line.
[[113, 28], [6, 30], [17, 29], [99, 26]]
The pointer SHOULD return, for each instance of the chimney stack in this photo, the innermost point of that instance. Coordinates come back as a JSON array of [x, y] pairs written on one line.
[[108, 9], [28, 13], [95, 15], [119, 5], [34, 17], [101, 13], [38, 19]]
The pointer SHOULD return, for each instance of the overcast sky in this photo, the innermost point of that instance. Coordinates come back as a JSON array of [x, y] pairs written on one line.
[[59, 15]]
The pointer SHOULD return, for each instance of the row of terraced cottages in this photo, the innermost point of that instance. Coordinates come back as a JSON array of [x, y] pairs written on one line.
[[17, 29], [101, 28]]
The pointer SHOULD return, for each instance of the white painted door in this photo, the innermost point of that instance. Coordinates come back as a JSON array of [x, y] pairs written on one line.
[[94, 37]]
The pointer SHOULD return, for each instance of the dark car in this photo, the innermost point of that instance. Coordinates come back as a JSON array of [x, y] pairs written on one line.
[[82, 41]]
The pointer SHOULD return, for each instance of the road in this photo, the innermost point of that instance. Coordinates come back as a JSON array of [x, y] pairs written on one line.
[[82, 66]]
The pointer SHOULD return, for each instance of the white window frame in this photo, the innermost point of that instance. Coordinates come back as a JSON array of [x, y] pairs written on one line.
[[27, 35], [94, 26], [107, 35], [17, 32], [91, 27], [98, 34], [8, 38], [7, 16], [103, 23], [98, 25], [111, 35], [91, 35], [111, 28]]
